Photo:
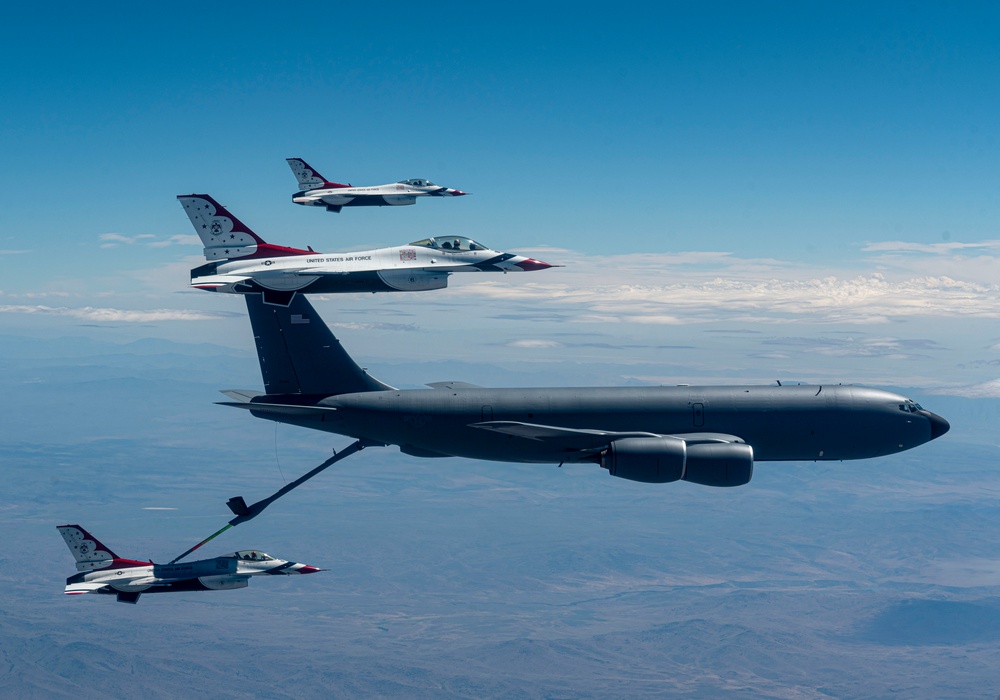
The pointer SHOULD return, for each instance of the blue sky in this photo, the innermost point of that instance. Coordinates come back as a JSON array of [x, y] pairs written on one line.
[[698, 169]]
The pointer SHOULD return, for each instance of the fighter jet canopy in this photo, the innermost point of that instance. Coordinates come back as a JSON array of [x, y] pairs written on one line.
[[450, 243], [417, 182], [252, 555]]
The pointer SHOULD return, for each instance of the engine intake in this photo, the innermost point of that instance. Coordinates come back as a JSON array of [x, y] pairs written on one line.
[[223, 583], [414, 280]]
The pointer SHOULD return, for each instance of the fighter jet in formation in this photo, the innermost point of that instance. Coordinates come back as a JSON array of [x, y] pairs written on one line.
[[103, 571], [241, 262], [317, 191], [710, 435]]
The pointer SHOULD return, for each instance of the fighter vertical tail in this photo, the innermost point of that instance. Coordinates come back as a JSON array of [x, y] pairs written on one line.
[[223, 235], [89, 552], [299, 354], [308, 177]]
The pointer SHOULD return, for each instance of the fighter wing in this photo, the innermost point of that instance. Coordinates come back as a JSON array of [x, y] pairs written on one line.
[[573, 439], [78, 588]]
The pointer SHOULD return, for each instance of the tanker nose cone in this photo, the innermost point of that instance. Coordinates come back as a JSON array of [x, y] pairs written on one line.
[[939, 426]]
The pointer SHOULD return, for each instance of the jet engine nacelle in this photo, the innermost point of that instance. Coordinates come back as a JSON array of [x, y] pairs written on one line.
[[224, 583], [651, 460], [659, 460], [719, 464], [414, 281]]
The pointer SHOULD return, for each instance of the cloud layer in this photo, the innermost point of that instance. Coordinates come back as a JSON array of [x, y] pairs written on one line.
[[665, 290], [90, 313]]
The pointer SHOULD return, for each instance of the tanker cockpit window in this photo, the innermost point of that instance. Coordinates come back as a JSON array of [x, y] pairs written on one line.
[[910, 406]]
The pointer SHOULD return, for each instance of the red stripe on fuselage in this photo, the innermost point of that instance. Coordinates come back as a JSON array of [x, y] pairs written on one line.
[[267, 250], [125, 564]]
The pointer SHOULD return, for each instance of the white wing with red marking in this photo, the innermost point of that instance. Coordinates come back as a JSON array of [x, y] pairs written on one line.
[[80, 588]]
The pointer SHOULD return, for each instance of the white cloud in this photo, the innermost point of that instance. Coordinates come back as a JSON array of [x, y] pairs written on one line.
[[986, 390], [111, 240], [610, 290], [646, 302], [35, 295], [944, 248], [176, 240], [90, 313], [532, 343], [355, 326], [14, 252]]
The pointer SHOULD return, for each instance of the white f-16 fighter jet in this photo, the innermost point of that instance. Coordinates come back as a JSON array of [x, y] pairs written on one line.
[[103, 571], [317, 191], [240, 262]]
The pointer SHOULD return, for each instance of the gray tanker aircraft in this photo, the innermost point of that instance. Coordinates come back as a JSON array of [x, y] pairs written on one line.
[[709, 435], [241, 262]]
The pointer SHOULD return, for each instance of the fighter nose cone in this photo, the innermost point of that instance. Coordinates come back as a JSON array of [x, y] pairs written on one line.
[[530, 265], [458, 193], [939, 426]]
